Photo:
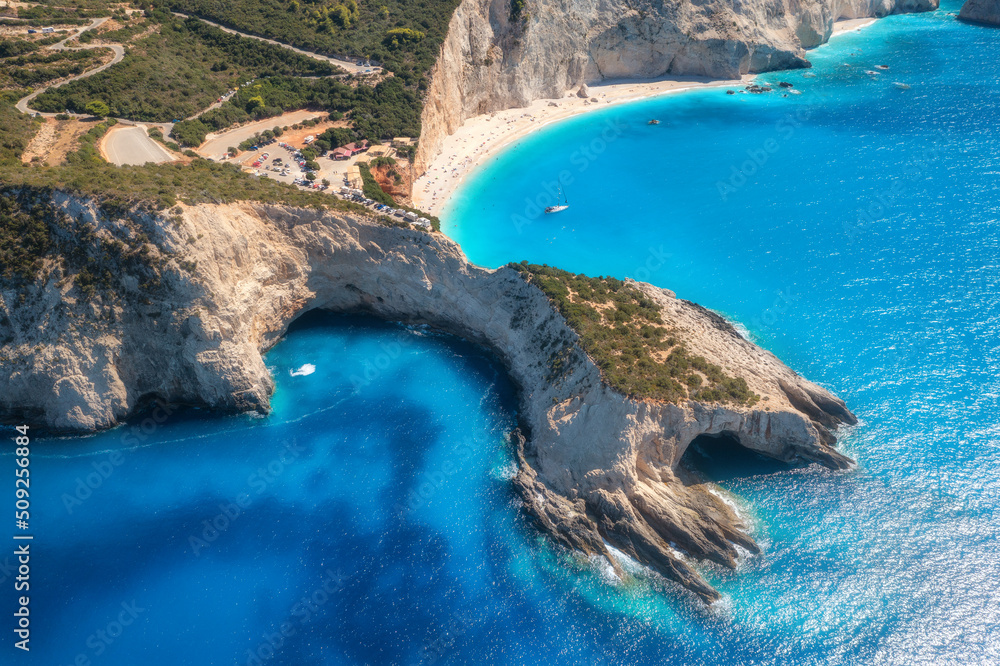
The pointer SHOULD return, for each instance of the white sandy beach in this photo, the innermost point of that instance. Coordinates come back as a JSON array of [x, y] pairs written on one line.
[[482, 137], [850, 25]]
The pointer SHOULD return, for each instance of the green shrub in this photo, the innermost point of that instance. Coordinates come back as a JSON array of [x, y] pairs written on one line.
[[402, 36], [16, 131], [623, 332], [371, 188], [97, 108]]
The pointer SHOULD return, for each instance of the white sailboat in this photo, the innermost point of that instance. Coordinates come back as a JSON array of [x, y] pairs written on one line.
[[558, 207]]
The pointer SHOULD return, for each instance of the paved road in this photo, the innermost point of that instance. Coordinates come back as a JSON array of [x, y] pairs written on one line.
[[347, 65], [119, 50], [156, 152], [216, 145], [131, 145]]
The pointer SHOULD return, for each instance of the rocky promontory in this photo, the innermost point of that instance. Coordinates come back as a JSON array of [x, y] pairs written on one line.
[[986, 12], [127, 305]]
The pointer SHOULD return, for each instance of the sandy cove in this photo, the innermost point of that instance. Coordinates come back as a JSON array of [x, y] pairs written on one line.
[[485, 136]]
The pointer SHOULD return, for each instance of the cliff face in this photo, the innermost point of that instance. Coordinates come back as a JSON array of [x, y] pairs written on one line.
[[490, 62], [595, 466], [986, 12]]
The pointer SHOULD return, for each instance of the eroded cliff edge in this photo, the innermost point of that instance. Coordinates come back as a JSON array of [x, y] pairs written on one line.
[[497, 56], [180, 306]]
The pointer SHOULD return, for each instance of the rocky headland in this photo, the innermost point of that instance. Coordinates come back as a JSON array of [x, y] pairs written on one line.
[[126, 305]]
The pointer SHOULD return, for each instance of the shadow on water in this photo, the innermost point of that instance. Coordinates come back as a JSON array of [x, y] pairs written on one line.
[[720, 458]]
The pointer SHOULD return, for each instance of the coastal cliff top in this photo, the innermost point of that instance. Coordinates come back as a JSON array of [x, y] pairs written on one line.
[[639, 353]]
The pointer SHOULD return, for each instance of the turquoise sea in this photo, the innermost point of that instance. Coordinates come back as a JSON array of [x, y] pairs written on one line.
[[853, 229]]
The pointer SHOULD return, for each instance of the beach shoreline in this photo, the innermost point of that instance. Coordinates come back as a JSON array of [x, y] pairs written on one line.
[[483, 137]]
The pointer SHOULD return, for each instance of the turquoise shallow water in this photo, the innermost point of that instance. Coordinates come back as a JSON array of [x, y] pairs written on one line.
[[370, 513]]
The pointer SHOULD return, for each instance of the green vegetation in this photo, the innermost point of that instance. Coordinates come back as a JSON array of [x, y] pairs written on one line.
[[87, 155], [164, 185], [402, 35], [178, 71], [98, 7], [24, 238], [39, 14], [156, 135], [34, 69], [175, 68], [17, 46], [517, 10], [26, 63], [97, 108], [371, 187], [16, 131], [622, 331], [388, 110], [123, 263]]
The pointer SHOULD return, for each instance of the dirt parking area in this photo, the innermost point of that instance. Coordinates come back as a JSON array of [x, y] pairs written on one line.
[[216, 144], [297, 137], [54, 139]]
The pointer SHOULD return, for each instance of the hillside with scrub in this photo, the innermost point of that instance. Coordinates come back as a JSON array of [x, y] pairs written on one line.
[[623, 331], [402, 36], [174, 69]]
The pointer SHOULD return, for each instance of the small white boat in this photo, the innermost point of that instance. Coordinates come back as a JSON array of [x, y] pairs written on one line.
[[559, 207]]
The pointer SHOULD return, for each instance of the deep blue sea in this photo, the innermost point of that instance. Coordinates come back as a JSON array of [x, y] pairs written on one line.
[[853, 229]]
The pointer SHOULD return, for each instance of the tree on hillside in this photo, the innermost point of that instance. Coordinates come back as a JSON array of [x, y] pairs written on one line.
[[97, 108]]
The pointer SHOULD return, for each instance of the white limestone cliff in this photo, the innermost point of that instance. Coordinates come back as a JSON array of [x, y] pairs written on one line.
[[595, 465], [490, 62]]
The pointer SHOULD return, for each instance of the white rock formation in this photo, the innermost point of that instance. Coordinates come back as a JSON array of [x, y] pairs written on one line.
[[595, 465], [489, 62]]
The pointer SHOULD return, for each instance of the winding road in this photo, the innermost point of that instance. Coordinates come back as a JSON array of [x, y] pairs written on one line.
[[22, 104], [132, 145], [347, 65]]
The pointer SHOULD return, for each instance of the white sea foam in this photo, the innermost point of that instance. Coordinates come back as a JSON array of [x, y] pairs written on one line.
[[506, 472], [306, 369]]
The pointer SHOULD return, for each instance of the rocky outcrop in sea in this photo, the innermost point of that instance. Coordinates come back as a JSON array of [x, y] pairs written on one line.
[[986, 12]]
